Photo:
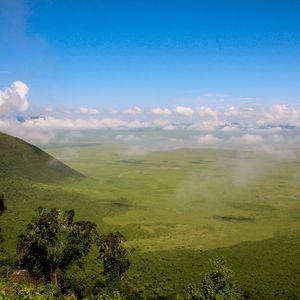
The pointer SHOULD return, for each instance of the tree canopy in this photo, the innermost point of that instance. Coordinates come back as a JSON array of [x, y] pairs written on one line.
[[114, 256], [219, 283], [53, 241]]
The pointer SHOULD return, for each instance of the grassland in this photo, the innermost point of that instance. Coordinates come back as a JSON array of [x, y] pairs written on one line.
[[199, 199], [178, 208]]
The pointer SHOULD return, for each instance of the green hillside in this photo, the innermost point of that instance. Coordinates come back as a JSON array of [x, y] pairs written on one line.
[[29, 177], [20, 159]]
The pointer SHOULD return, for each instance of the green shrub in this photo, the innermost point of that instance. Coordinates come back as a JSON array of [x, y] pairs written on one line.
[[30, 292], [219, 283]]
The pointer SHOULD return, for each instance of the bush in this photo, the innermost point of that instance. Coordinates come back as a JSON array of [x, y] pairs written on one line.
[[218, 284], [30, 292]]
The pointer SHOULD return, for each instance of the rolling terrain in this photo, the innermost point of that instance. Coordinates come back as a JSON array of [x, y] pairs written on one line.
[[177, 208]]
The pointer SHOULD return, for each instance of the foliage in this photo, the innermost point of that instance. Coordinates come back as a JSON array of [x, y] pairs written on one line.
[[76, 280], [2, 209], [218, 284], [30, 292], [114, 256], [53, 241], [113, 296], [2, 205], [193, 293]]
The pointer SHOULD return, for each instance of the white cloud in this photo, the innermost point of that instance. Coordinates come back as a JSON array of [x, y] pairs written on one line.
[[229, 128], [207, 111], [135, 150], [267, 130], [176, 141], [232, 111], [32, 135], [161, 111], [208, 125], [55, 123], [13, 99], [252, 138], [170, 127], [90, 111], [161, 123], [113, 111], [207, 139], [280, 114], [134, 111], [126, 137], [184, 110]]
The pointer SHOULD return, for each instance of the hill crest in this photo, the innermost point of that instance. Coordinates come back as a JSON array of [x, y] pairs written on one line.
[[19, 159]]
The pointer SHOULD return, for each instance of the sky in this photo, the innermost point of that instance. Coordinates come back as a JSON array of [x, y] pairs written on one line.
[[137, 64], [148, 53]]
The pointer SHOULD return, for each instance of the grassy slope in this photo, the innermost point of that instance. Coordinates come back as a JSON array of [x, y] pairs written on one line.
[[27, 178], [22, 160]]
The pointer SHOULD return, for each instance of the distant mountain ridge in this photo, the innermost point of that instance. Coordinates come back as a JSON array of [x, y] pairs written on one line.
[[19, 159]]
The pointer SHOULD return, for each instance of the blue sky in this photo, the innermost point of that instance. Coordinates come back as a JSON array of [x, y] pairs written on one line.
[[152, 53]]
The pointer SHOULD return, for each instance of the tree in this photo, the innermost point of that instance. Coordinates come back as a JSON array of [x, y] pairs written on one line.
[[2, 205], [218, 284], [2, 210], [53, 241], [114, 256]]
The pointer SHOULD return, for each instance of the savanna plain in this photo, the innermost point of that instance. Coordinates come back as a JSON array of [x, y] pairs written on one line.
[[178, 208]]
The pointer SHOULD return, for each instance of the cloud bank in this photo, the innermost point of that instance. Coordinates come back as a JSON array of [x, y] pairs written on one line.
[[13, 99], [203, 126]]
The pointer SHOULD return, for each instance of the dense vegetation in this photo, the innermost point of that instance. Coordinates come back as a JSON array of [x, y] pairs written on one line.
[[175, 232], [49, 265]]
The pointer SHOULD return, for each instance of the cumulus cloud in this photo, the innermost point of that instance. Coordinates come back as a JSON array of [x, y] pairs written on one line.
[[280, 114], [207, 111], [34, 135], [252, 138], [55, 123], [113, 111], [90, 111], [13, 99], [134, 111], [126, 137], [161, 111], [229, 128], [255, 127], [184, 110], [161, 123], [170, 127], [208, 125], [266, 130], [233, 111], [207, 139]]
